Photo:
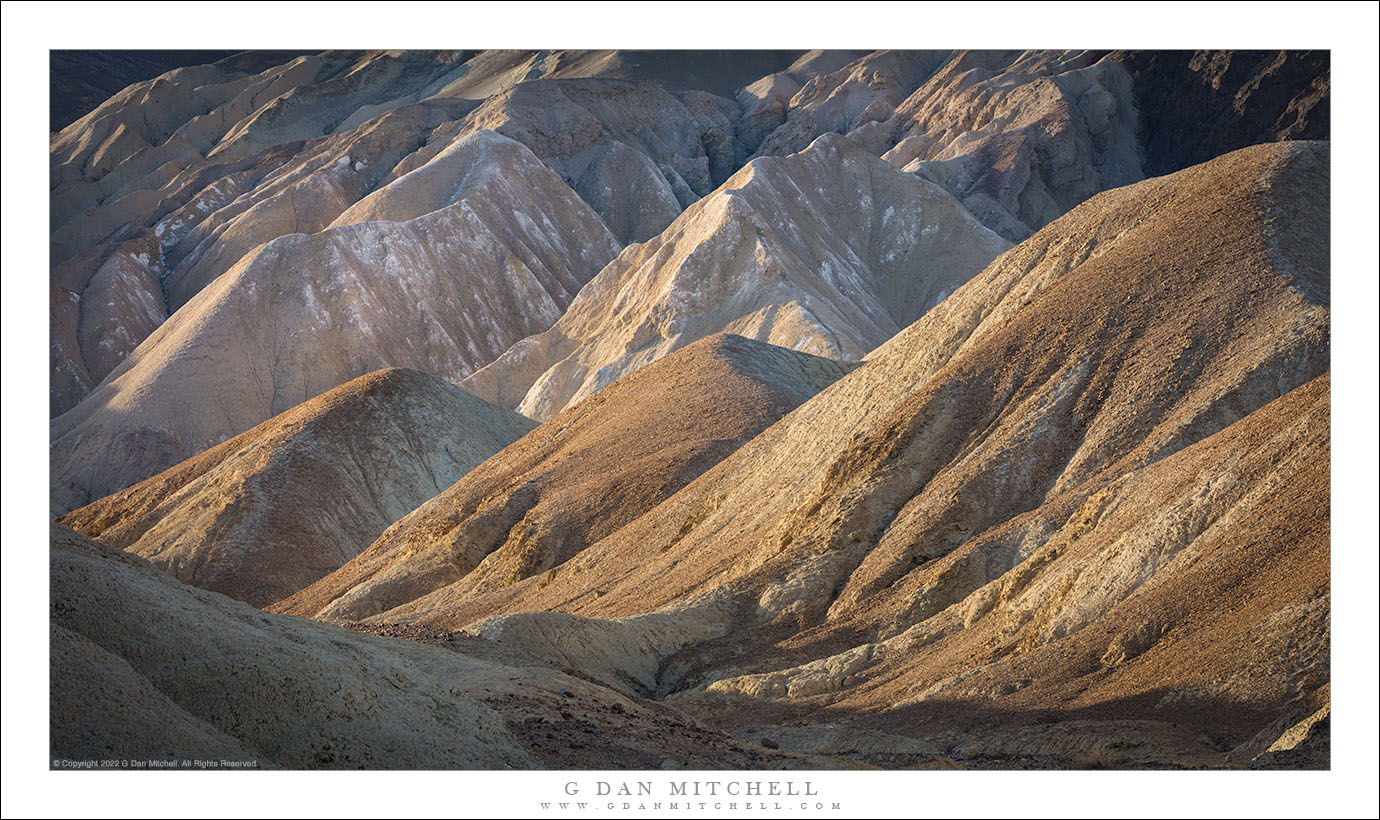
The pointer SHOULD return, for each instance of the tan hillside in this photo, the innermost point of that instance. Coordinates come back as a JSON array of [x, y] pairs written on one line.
[[1194, 590], [445, 292], [277, 507], [829, 251], [578, 477], [187, 673], [949, 479]]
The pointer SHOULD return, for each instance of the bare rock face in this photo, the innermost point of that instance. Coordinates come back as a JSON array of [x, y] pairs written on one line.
[[277, 507], [298, 188], [445, 292], [872, 97], [1022, 137], [828, 252], [192, 118], [577, 478], [216, 160], [192, 159], [144, 667], [1110, 442], [628, 191]]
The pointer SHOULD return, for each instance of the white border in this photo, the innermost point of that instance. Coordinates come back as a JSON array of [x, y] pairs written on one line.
[[29, 29]]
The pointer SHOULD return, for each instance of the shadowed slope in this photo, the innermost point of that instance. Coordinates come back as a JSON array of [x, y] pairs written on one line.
[[193, 674], [1195, 106], [279, 687]]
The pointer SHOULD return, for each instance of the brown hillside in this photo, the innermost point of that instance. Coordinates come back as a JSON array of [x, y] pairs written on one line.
[[578, 477], [279, 506]]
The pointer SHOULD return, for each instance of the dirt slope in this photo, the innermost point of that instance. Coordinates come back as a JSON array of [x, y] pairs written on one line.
[[277, 507], [577, 478], [147, 668]]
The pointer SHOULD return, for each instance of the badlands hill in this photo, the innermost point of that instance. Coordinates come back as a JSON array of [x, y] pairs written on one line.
[[829, 251], [178, 201], [973, 502], [577, 478], [147, 668], [1069, 509], [102, 304], [277, 507], [634, 151], [216, 160], [1022, 136], [500, 247]]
